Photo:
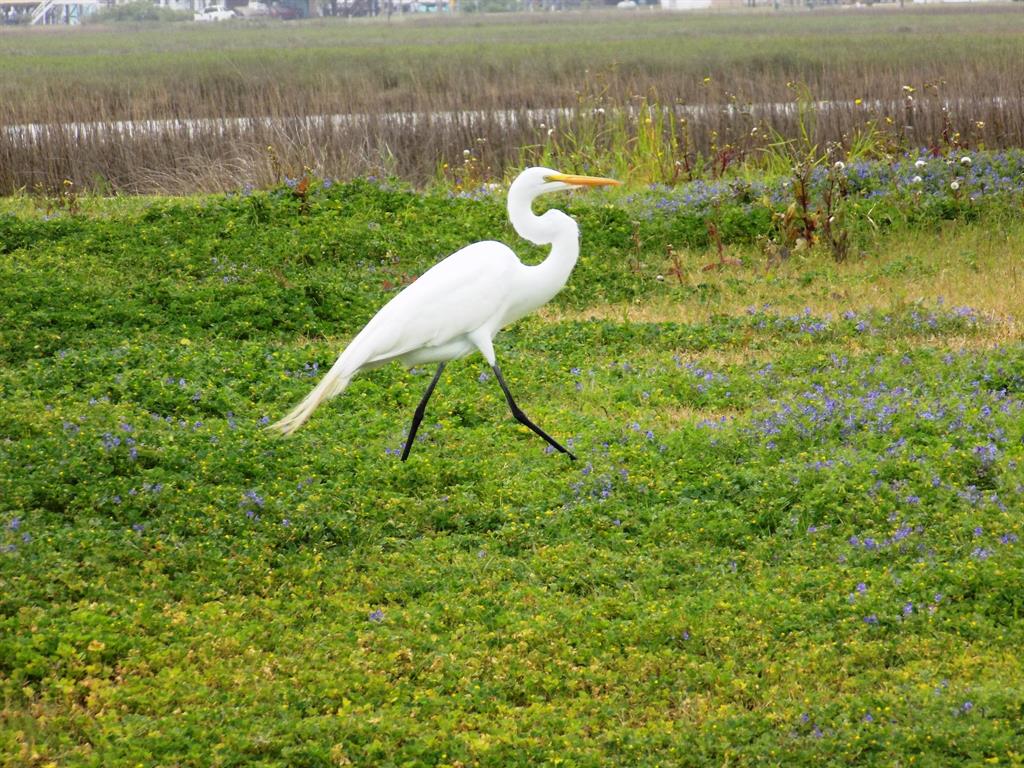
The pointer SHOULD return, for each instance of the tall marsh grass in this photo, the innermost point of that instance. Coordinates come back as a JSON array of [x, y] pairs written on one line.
[[657, 96]]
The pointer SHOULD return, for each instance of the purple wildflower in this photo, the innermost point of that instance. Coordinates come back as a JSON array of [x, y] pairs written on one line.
[[254, 498]]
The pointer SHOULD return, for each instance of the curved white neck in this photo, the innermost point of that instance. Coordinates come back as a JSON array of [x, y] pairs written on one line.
[[553, 228], [539, 230]]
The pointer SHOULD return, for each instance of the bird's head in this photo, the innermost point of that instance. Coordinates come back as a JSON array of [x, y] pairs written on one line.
[[539, 181]]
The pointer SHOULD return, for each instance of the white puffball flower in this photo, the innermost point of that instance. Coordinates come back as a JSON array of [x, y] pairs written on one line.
[[965, 160], [839, 165], [920, 163], [954, 185], [916, 180]]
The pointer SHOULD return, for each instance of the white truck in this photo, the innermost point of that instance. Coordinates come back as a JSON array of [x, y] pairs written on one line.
[[214, 13]]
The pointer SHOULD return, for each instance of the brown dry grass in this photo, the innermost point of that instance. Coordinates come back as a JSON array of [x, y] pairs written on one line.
[[957, 267], [387, 72]]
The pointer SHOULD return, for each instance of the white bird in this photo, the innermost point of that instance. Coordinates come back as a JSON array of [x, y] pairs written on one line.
[[459, 305]]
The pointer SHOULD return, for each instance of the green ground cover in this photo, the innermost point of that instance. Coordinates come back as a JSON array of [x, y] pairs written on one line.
[[791, 537]]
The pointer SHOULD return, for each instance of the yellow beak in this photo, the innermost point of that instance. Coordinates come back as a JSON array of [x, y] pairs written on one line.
[[583, 181]]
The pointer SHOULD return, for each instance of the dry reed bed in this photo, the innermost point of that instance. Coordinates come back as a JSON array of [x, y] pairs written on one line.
[[967, 58], [229, 155]]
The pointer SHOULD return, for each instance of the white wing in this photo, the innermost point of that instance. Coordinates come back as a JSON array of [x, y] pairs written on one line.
[[463, 293]]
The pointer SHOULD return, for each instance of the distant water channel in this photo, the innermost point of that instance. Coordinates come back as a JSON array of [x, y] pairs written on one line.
[[28, 133]]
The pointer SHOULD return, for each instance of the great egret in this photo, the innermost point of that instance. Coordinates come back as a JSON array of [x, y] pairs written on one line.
[[460, 304]]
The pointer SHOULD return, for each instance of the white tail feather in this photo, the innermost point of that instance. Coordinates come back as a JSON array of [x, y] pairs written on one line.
[[332, 384]]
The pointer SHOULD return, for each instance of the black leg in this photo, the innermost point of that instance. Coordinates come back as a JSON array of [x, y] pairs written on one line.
[[524, 420], [420, 409]]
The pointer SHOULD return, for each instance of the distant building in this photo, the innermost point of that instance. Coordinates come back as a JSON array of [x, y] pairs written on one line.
[[47, 11]]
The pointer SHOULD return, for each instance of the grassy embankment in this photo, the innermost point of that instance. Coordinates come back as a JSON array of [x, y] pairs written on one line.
[[791, 538]]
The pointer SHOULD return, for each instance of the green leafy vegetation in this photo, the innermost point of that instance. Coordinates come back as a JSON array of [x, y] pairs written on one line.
[[792, 536]]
